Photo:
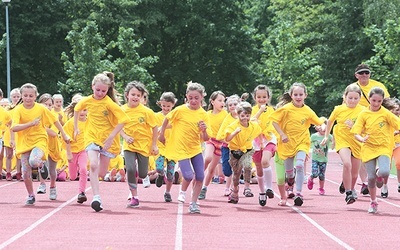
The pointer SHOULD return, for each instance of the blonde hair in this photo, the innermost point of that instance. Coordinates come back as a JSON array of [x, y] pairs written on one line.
[[108, 79]]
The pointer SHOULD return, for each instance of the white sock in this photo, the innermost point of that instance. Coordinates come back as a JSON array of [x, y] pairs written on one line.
[[260, 181], [267, 177]]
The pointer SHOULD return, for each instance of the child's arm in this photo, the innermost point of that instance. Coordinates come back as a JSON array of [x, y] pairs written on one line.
[[203, 131], [108, 141], [76, 128], [20, 127], [233, 134], [63, 134], [69, 152], [283, 136], [260, 111], [361, 138], [327, 132], [154, 148], [161, 137], [51, 132], [127, 138]]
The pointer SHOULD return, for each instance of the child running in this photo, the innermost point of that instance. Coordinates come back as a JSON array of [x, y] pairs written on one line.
[[292, 122], [189, 128], [264, 146], [240, 135], [104, 122], [76, 154], [140, 137], [375, 128], [166, 103], [30, 120], [212, 153], [348, 148], [319, 158]]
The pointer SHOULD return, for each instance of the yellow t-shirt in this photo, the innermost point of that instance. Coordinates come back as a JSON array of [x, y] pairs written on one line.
[[365, 89], [160, 119], [54, 145], [265, 122], [63, 115], [215, 122], [295, 123], [229, 119], [116, 163], [185, 140], [5, 119], [35, 136], [103, 116], [379, 126], [244, 139], [140, 128], [78, 143], [341, 132]]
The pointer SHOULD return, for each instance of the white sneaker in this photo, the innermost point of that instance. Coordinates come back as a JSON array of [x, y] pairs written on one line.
[[146, 182], [41, 189], [182, 197], [96, 203], [354, 194], [53, 193]]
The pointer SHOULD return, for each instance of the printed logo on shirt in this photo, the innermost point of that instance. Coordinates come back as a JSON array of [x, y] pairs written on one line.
[[105, 112], [381, 124], [141, 120], [303, 121]]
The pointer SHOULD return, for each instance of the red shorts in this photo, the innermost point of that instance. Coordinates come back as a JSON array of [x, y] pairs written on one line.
[[271, 147], [217, 145]]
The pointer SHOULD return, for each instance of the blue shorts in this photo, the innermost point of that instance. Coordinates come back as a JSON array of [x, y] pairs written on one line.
[[95, 147]]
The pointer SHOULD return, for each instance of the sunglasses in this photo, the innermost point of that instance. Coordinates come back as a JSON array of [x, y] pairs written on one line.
[[363, 73]]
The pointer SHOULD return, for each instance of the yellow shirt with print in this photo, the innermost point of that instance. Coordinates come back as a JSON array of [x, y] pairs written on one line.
[[35, 136], [243, 141], [103, 116], [265, 121], [140, 128], [78, 143], [379, 126], [160, 119], [216, 122], [344, 115], [185, 140], [295, 123]]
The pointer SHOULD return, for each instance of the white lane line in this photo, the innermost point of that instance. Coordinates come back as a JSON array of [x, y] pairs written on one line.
[[178, 234], [37, 223], [319, 227], [8, 184]]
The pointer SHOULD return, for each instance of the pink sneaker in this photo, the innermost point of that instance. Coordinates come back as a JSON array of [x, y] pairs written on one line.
[[310, 183], [133, 202], [321, 191]]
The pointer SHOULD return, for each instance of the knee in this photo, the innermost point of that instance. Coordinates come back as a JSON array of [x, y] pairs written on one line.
[[188, 176]]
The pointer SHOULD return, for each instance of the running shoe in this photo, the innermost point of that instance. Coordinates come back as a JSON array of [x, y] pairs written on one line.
[[270, 194], [203, 193], [341, 188], [384, 191], [310, 183], [262, 199], [30, 200], [96, 203], [159, 180], [364, 189], [134, 202], [298, 199], [8, 177], [321, 191], [53, 193], [146, 182], [194, 208], [81, 198], [44, 171], [182, 197], [41, 189], [167, 197], [373, 208], [349, 198]]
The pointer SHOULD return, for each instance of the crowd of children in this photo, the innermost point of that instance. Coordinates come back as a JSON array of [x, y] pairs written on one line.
[[96, 138]]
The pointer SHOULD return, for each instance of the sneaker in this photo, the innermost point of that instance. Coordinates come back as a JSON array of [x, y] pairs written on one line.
[[262, 199], [8, 177], [247, 192], [341, 188], [310, 183], [30, 200], [81, 198], [159, 180], [134, 202], [41, 189], [384, 191], [398, 188], [227, 192], [182, 196], [96, 203], [373, 208], [364, 189], [194, 208], [44, 171], [203, 193], [270, 194], [18, 176], [321, 191], [355, 195], [298, 200], [53, 194], [289, 191], [349, 198], [146, 182], [167, 197]]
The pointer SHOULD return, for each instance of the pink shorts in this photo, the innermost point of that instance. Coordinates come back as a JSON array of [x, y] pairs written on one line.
[[271, 147], [217, 145]]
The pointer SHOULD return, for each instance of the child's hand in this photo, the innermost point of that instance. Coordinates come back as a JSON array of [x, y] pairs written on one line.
[[76, 133], [263, 107], [154, 150], [237, 130], [284, 138], [324, 141], [35, 122], [202, 126], [107, 144], [66, 139], [349, 123], [128, 139], [161, 138]]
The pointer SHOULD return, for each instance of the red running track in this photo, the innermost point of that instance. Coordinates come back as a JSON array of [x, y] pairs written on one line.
[[323, 222]]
